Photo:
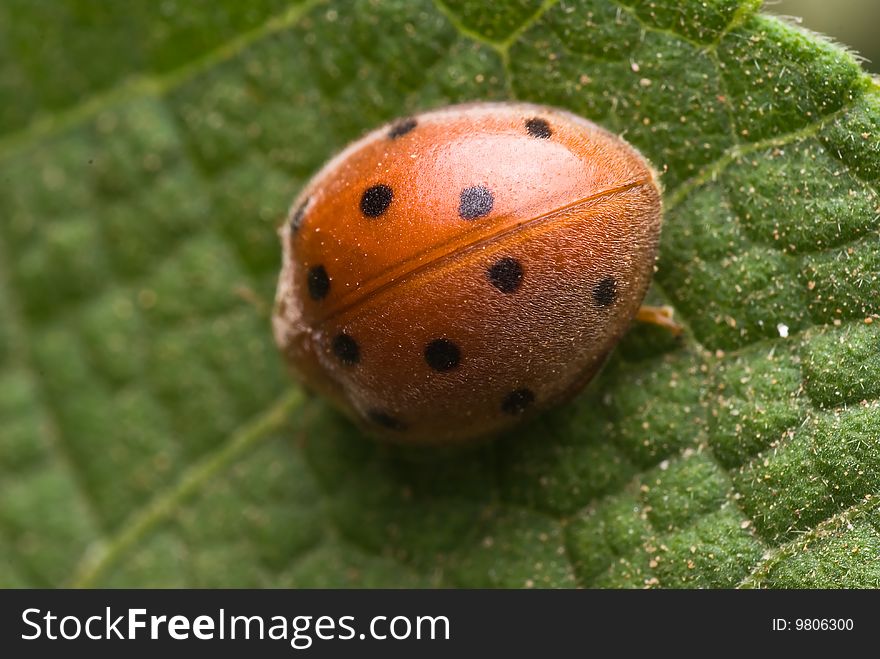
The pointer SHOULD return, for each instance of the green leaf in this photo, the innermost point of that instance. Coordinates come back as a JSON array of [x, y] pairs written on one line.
[[150, 436]]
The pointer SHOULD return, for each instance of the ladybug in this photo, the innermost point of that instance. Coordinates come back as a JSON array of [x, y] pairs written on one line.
[[453, 272]]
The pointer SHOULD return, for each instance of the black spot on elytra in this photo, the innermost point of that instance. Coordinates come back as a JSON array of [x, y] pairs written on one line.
[[376, 200], [401, 127], [318, 282], [475, 202], [506, 274], [517, 401], [296, 218], [386, 420], [346, 349], [442, 355], [538, 127], [605, 292]]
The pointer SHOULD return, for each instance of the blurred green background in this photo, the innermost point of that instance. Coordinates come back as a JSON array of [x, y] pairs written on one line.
[[853, 23]]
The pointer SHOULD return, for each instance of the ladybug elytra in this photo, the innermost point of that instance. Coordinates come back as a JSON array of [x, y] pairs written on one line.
[[451, 273]]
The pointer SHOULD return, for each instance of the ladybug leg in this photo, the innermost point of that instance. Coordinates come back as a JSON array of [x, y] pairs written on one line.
[[659, 316]]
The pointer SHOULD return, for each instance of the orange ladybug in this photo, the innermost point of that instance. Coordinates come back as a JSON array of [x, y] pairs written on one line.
[[453, 272]]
